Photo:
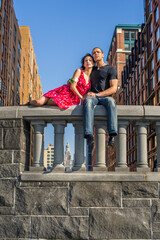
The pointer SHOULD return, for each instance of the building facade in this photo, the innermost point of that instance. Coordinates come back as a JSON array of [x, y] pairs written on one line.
[[30, 83], [120, 48], [48, 156], [141, 79], [10, 55]]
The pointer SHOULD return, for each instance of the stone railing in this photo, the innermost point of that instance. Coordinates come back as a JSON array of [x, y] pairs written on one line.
[[38, 117]]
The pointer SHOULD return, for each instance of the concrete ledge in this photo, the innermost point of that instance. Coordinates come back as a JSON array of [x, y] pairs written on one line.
[[75, 112], [92, 177]]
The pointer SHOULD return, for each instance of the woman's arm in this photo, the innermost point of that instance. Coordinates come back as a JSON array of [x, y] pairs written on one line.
[[73, 85]]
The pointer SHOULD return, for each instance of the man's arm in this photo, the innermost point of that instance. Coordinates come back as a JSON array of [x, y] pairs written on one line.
[[111, 90]]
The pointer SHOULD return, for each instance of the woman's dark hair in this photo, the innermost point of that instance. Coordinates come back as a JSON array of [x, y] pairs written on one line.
[[82, 60]]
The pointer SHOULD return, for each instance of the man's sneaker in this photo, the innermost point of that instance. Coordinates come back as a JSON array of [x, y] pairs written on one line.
[[111, 141], [90, 140]]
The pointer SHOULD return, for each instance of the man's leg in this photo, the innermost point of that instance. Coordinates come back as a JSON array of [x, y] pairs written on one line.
[[111, 108], [88, 118]]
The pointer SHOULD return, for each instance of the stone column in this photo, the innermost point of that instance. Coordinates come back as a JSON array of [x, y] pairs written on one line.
[[158, 145], [59, 145], [121, 164], [38, 145], [79, 164], [100, 129], [142, 161]]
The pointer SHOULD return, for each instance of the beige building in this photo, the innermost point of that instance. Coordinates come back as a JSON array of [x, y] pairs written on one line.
[[30, 84], [49, 156]]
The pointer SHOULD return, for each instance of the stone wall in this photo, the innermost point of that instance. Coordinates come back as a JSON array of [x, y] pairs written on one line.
[[89, 205], [79, 210]]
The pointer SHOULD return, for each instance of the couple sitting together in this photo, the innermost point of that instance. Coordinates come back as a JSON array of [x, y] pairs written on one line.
[[93, 86]]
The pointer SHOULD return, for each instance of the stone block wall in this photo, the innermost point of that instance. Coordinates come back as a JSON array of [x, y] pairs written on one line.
[[70, 209], [79, 210]]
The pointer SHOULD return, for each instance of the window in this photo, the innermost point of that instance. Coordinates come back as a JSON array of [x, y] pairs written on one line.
[[19, 49], [150, 7], [0, 84], [3, 30], [15, 33], [52, 149], [135, 75], [156, 14], [151, 45], [139, 84], [1, 65], [158, 96], [4, 14], [143, 96], [17, 87], [152, 66], [138, 68], [1, 104], [151, 28], [14, 54], [157, 34], [2, 47], [142, 78], [129, 38], [136, 89], [142, 62], [139, 100], [158, 54], [13, 74], [152, 83], [158, 75], [18, 68]]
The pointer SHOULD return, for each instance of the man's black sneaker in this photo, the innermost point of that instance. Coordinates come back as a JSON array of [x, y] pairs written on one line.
[[111, 141], [90, 140]]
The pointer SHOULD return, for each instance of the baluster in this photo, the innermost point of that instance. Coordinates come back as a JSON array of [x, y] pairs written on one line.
[[59, 145], [100, 164], [122, 147], [38, 145], [79, 164], [142, 162]]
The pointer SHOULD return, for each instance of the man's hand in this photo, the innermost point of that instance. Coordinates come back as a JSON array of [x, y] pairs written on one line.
[[89, 94]]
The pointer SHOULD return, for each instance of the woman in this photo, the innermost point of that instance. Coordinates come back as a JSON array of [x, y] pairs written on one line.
[[66, 96]]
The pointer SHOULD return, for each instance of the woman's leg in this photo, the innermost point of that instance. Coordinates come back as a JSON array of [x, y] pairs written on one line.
[[41, 101], [51, 102]]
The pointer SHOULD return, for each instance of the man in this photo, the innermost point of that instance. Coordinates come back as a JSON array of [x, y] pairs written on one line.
[[104, 83]]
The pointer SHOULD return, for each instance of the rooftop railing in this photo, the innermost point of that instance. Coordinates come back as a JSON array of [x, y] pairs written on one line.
[[140, 116]]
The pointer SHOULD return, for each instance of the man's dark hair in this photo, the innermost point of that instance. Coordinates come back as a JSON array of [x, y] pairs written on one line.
[[98, 48]]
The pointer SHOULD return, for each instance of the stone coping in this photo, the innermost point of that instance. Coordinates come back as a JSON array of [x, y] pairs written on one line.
[[91, 177], [125, 112]]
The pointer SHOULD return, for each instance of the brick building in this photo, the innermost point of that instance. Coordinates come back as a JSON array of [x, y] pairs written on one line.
[[31, 87], [120, 48], [10, 55], [141, 78], [49, 156]]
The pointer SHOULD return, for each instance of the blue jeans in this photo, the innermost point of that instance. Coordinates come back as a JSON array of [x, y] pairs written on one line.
[[88, 114]]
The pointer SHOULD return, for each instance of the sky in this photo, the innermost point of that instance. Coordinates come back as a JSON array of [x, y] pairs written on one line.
[[63, 31]]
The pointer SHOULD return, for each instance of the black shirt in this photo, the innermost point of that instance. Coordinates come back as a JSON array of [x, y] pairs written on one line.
[[100, 78]]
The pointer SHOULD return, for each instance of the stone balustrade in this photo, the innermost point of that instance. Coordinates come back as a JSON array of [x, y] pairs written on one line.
[[96, 204], [141, 116]]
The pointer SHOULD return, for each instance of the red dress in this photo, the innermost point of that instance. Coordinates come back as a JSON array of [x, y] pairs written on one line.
[[64, 97]]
